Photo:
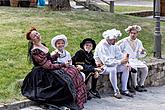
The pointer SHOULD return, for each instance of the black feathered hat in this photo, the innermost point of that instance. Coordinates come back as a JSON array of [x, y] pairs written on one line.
[[88, 40]]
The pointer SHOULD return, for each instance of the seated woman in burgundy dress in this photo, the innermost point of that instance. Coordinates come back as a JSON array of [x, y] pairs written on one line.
[[56, 84]]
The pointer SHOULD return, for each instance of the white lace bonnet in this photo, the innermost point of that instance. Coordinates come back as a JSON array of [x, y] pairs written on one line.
[[111, 34]]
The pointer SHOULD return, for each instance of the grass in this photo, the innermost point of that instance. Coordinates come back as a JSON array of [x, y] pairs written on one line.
[[131, 8], [120, 9], [76, 25]]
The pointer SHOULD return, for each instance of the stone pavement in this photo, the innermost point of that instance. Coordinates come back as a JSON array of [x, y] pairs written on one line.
[[154, 99], [32, 108]]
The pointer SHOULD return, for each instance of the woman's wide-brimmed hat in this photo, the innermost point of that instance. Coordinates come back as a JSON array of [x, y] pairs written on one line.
[[58, 37], [133, 27], [88, 40], [111, 34]]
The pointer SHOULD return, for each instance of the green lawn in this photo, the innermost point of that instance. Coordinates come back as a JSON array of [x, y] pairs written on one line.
[[76, 25], [119, 9]]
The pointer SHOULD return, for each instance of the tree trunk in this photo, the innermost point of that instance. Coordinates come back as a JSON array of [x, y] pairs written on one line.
[[59, 4]]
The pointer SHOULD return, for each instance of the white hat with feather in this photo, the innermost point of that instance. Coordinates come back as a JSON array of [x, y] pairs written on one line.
[[133, 27]]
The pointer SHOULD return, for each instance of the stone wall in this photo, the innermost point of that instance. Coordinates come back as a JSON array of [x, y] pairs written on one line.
[[156, 76]]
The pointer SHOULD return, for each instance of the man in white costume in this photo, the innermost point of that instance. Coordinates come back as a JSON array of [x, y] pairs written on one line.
[[134, 47], [109, 55]]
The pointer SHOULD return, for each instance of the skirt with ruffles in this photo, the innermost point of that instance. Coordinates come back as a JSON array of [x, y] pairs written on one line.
[[63, 87]]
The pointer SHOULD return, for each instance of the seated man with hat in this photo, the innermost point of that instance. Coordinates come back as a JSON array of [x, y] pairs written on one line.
[[84, 61], [109, 54]]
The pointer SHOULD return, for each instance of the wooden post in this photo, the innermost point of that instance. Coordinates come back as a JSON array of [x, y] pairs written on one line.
[[112, 6], [154, 8], [162, 7], [87, 2]]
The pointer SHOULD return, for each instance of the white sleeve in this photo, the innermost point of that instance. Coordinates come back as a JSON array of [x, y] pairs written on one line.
[[140, 44], [107, 60], [139, 55], [119, 54], [122, 47]]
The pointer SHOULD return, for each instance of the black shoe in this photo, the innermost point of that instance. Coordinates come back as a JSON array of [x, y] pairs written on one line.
[[88, 96], [143, 88], [139, 89], [132, 90], [133, 70], [95, 93], [127, 93]]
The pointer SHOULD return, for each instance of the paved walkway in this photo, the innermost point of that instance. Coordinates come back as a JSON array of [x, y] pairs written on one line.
[[154, 99]]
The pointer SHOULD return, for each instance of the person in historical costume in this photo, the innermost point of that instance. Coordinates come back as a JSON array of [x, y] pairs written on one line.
[[60, 55], [109, 55], [134, 47], [83, 59], [52, 83]]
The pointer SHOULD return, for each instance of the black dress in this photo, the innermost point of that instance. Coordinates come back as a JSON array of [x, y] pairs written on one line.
[[51, 83]]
